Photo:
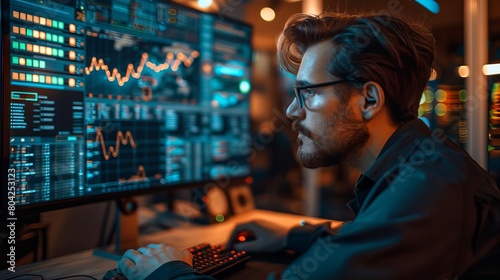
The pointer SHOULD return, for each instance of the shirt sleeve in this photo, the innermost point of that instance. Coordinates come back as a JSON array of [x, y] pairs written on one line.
[[300, 238], [408, 230], [177, 270]]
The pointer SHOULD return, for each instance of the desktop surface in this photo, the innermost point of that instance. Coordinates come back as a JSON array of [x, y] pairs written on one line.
[[258, 267]]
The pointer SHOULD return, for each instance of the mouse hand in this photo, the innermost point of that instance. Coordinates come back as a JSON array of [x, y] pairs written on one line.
[[259, 237]]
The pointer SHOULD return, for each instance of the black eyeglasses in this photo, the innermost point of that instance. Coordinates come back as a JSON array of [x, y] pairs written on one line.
[[298, 90]]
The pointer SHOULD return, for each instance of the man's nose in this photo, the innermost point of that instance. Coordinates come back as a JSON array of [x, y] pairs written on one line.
[[293, 110]]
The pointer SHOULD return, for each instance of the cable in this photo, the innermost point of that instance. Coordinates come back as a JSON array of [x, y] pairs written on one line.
[[74, 276], [36, 275], [61, 278]]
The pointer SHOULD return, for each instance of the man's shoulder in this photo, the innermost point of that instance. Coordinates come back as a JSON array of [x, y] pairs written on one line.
[[441, 158], [437, 168]]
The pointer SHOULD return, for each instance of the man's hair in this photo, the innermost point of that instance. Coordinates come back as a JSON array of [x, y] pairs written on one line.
[[368, 47]]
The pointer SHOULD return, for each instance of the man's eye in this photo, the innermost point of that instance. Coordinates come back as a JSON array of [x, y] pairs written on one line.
[[308, 91]]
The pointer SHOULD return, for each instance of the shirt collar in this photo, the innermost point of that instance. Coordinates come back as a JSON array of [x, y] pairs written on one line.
[[395, 152]]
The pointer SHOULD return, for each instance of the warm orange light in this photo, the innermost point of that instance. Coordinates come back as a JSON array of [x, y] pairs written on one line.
[[463, 71], [249, 180], [206, 68], [242, 238], [267, 14]]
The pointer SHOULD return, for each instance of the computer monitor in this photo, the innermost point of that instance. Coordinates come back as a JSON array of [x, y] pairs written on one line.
[[109, 98]]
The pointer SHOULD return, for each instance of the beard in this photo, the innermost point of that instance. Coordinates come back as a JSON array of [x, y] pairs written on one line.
[[343, 135]]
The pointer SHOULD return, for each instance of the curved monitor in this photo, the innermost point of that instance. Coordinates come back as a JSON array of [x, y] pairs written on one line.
[[107, 98]]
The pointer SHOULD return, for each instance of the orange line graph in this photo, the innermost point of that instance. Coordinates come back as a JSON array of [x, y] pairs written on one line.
[[172, 61], [140, 175], [141, 172], [120, 140]]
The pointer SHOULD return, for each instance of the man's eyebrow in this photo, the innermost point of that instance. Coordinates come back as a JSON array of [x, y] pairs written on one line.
[[301, 83]]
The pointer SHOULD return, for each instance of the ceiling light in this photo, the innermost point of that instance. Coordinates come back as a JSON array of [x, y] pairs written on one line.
[[491, 69], [267, 14], [204, 3]]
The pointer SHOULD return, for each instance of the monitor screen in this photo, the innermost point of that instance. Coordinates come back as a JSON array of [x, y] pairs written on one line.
[[106, 98]]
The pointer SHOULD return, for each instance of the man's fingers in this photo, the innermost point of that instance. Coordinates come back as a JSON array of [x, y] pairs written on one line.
[[124, 265], [144, 251], [155, 246], [249, 246], [132, 255]]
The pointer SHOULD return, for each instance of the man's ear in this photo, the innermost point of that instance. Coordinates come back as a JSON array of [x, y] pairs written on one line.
[[372, 101]]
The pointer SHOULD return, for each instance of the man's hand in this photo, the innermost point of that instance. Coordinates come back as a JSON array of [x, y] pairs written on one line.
[[137, 265], [269, 237]]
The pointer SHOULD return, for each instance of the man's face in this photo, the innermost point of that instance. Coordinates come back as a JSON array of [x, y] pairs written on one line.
[[328, 130]]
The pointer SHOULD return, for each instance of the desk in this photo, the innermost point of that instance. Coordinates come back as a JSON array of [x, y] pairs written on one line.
[[85, 263]]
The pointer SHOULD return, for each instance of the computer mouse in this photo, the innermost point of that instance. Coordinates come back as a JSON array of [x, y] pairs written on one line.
[[245, 236]]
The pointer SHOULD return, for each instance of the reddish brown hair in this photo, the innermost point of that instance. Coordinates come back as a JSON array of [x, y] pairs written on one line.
[[369, 47]]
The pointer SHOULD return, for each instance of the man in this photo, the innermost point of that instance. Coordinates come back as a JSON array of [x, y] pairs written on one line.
[[424, 209]]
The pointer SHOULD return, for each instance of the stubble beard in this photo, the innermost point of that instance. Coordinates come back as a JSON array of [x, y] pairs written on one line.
[[344, 134]]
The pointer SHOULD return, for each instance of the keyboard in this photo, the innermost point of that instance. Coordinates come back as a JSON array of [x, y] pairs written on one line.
[[213, 260], [216, 260]]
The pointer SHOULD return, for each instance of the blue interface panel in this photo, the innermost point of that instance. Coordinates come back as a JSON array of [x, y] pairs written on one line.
[[112, 96]]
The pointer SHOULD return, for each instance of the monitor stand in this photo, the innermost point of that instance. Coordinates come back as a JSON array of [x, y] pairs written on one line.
[[126, 230]]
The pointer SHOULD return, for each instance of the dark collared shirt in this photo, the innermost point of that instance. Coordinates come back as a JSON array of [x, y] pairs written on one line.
[[424, 210]]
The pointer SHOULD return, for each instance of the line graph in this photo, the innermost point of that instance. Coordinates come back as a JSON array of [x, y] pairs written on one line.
[[172, 61], [140, 175], [125, 152], [121, 139], [121, 66]]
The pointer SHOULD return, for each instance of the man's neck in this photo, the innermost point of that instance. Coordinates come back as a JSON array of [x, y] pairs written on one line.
[[381, 129]]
